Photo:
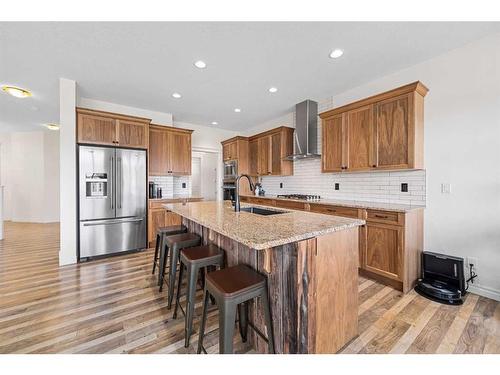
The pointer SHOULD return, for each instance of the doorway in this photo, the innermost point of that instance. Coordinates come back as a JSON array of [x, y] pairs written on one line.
[[204, 175]]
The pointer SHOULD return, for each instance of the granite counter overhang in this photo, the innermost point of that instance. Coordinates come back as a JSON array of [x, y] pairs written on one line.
[[395, 207], [261, 232]]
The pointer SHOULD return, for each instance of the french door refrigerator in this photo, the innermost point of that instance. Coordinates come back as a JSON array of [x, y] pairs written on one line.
[[112, 200]]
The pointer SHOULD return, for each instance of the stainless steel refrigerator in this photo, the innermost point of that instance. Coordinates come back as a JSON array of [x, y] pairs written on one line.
[[112, 200]]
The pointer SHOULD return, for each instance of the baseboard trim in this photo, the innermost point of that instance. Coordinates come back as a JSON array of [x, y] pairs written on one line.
[[485, 292]]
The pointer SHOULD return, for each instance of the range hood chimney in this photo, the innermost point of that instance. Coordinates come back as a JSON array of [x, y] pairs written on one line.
[[306, 131]]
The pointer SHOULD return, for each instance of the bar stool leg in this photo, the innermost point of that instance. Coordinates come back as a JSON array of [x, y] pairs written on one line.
[[267, 317], [227, 317], [174, 259], [243, 318], [203, 322], [192, 274], [178, 297], [163, 264], [157, 246]]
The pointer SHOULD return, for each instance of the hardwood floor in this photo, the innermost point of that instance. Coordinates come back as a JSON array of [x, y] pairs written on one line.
[[113, 306]]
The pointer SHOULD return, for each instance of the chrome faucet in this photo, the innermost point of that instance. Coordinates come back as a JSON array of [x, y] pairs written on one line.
[[237, 192]]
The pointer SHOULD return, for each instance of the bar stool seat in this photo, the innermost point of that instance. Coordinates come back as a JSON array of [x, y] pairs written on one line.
[[174, 244], [160, 234], [195, 259], [232, 289]]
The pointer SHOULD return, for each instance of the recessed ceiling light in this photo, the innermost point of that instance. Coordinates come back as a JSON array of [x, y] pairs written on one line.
[[52, 126], [273, 89], [176, 95], [200, 64], [237, 110], [215, 123], [336, 53], [16, 91]]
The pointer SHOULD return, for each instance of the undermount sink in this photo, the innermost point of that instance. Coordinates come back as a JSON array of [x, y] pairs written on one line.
[[261, 211]]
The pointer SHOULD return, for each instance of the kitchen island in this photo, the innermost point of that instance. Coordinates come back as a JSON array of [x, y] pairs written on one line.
[[311, 262]]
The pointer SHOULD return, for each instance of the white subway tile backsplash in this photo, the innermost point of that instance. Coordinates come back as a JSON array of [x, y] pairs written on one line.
[[172, 185], [367, 186]]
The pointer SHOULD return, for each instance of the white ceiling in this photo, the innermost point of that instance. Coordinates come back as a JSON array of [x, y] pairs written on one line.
[[142, 64]]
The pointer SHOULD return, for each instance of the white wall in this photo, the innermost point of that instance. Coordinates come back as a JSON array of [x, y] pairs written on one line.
[[462, 147], [31, 179]]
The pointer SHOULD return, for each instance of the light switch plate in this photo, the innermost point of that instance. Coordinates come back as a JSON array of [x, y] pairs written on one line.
[[445, 188]]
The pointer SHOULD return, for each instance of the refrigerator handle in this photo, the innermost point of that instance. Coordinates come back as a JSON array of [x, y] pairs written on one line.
[[119, 180], [111, 164]]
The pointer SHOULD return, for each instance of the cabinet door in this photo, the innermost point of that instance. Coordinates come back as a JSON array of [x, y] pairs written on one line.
[[360, 139], [253, 155], [159, 161], [276, 154], [180, 153], [392, 130], [157, 219], [230, 151], [332, 156], [264, 154], [171, 218], [132, 134], [96, 129], [383, 252]]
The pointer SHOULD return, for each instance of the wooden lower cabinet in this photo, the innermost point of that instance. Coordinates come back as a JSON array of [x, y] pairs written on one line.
[[390, 243], [160, 217], [383, 250]]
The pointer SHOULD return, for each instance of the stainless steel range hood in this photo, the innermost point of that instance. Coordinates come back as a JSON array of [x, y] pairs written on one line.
[[306, 131]]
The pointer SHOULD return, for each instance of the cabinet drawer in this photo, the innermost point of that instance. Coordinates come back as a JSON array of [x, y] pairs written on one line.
[[386, 217], [335, 210], [291, 204]]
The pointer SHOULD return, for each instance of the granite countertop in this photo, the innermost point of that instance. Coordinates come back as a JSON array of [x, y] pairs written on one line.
[[261, 232], [396, 207]]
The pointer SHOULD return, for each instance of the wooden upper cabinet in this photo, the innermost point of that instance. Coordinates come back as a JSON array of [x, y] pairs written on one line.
[[230, 150], [267, 152], [392, 120], [180, 153], [360, 139], [159, 162], [96, 129], [264, 167], [133, 134], [169, 151], [384, 131], [332, 145], [105, 128], [253, 157]]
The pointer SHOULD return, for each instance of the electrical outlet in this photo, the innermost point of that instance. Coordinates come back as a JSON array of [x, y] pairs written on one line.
[[404, 187], [183, 185], [469, 261], [337, 186], [281, 185], [445, 188]]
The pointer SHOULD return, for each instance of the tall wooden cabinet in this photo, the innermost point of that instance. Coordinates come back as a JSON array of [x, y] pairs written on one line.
[[384, 131], [113, 129], [169, 151]]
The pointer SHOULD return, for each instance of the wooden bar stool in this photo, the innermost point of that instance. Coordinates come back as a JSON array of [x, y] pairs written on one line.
[[232, 288], [195, 259], [161, 233], [174, 244]]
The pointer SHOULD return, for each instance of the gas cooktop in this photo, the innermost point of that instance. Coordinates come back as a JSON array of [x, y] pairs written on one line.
[[306, 197]]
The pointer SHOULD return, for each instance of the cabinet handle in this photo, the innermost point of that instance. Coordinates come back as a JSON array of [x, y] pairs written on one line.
[[374, 166], [381, 216]]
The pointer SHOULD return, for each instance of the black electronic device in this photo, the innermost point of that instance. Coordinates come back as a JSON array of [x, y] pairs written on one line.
[[443, 278]]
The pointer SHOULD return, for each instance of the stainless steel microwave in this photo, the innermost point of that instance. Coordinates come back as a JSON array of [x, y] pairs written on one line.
[[230, 169]]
